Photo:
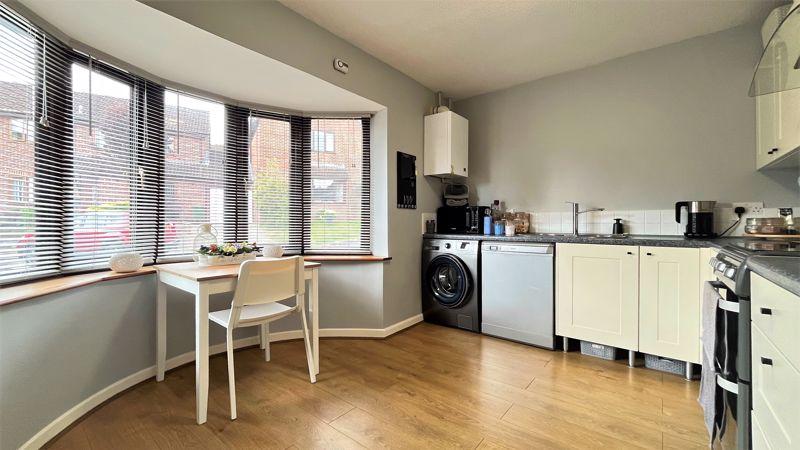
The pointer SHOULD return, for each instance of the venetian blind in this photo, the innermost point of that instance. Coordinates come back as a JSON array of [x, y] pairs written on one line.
[[275, 174], [33, 106], [338, 196], [112, 191], [194, 173]]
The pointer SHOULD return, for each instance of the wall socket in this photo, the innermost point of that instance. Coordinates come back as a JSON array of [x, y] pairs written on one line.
[[751, 209]]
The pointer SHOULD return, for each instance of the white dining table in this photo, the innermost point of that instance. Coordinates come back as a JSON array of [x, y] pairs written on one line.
[[204, 281]]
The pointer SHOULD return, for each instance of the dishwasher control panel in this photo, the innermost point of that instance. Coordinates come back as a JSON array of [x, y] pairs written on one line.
[[517, 248]]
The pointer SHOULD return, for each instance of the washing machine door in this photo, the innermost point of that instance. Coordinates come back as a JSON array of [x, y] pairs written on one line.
[[449, 281]]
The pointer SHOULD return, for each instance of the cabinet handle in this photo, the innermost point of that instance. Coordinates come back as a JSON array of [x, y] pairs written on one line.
[[766, 361], [766, 311], [649, 254], [630, 253], [774, 150]]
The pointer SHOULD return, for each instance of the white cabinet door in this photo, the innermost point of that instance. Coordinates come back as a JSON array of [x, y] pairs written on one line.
[[669, 302], [777, 114], [766, 129], [597, 290], [776, 393], [789, 124], [776, 311]]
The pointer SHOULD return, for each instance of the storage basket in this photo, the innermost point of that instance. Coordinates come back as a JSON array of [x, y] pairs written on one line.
[[664, 364], [599, 350]]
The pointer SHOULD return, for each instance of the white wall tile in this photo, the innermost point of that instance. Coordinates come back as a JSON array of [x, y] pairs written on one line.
[[652, 222], [652, 228], [635, 228]]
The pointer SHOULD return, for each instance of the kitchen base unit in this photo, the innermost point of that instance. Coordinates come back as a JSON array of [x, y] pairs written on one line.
[[597, 294]]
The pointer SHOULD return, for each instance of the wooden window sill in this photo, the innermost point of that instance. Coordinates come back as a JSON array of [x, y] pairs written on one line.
[[39, 288], [33, 289], [346, 258]]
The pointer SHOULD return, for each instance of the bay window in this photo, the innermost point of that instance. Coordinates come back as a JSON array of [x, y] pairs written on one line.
[[95, 161]]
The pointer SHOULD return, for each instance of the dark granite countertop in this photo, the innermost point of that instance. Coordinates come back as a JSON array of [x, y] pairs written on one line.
[[781, 270], [643, 240]]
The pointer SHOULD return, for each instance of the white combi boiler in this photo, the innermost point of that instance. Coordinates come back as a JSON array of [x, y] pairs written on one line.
[[517, 294]]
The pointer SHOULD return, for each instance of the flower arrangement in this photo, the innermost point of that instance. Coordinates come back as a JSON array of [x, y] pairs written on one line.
[[228, 249], [227, 253]]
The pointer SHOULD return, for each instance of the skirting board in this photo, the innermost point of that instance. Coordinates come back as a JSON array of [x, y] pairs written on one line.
[[52, 429]]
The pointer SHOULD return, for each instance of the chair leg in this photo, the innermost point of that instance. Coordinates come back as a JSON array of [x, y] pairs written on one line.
[[307, 341], [265, 341], [231, 382]]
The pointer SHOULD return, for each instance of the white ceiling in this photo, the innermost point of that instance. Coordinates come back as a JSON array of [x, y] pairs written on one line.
[[468, 47], [182, 53]]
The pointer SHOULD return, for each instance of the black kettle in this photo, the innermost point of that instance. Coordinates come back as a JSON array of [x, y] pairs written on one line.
[[700, 218]]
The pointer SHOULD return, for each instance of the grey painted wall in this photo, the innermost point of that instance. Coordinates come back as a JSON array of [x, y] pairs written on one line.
[[53, 357], [58, 350], [642, 131], [275, 31]]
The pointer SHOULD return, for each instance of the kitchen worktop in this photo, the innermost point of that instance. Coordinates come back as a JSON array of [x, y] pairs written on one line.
[[642, 240], [781, 270]]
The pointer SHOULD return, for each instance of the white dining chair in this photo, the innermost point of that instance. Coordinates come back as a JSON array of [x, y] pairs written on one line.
[[261, 285]]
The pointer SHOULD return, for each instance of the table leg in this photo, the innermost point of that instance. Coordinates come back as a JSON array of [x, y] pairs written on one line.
[[315, 316], [161, 330], [201, 352]]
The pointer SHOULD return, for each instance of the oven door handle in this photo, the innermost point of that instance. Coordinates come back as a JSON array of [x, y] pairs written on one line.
[[728, 306], [721, 302], [727, 385]]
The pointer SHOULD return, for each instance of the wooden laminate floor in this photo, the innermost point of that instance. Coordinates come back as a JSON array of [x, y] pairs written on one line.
[[426, 387]]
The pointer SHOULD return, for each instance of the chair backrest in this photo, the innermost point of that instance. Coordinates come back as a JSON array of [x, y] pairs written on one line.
[[267, 281]]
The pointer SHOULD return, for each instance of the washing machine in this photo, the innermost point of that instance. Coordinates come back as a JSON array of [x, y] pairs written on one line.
[[450, 293]]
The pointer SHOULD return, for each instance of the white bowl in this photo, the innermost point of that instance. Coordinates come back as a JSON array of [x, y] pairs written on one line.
[[126, 262]]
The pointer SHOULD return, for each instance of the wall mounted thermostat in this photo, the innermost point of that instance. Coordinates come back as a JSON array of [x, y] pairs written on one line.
[[340, 65]]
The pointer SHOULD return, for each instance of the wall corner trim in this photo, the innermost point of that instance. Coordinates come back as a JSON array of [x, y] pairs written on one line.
[[66, 419]]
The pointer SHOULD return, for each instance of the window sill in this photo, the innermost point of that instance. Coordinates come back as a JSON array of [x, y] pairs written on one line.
[[34, 289], [346, 258]]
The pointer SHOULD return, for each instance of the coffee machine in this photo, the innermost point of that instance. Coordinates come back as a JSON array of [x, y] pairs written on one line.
[[699, 218]]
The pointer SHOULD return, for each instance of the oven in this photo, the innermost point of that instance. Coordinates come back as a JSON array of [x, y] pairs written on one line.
[[732, 350]]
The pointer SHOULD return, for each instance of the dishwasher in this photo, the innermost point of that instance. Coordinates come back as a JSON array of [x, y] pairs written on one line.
[[517, 292]]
